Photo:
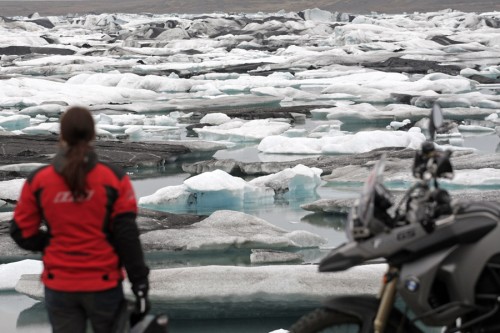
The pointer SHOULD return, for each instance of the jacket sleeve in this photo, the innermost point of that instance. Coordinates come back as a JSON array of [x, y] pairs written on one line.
[[25, 226], [125, 234]]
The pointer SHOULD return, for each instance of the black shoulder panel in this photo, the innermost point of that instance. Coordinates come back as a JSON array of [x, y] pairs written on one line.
[[32, 175], [119, 172]]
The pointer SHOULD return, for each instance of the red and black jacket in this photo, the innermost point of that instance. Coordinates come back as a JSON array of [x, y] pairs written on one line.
[[86, 242]]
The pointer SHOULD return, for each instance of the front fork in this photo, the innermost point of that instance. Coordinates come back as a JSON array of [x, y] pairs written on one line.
[[387, 296]]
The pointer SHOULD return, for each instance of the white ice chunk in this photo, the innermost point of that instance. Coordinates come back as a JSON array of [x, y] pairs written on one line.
[[35, 91], [215, 119], [22, 167], [170, 195], [273, 256], [465, 177], [459, 142], [152, 133], [342, 144], [15, 122], [234, 284], [317, 14], [475, 128], [11, 189], [226, 229], [11, 273], [48, 110], [209, 190], [398, 124], [492, 117], [295, 132], [288, 92], [292, 181], [43, 129], [238, 131], [110, 128]]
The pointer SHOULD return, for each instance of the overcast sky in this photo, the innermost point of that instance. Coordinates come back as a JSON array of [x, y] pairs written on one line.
[[60, 7]]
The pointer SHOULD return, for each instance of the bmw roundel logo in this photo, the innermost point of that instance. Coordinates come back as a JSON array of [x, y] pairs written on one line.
[[412, 284]]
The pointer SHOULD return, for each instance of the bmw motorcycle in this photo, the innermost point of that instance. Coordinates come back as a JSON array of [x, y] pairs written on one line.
[[443, 257]]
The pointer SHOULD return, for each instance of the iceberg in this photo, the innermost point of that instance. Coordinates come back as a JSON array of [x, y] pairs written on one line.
[[49, 110], [226, 229], [219, 190], [22, 167], [239, 131], [360, 142], [215, 119], [152, 133], [317, 14], [10, 190], [15, 122], [273, 256], [294, 181], [12, 272], [209, 191], [43, 129], [284, 284], [475, 128], [484, 177]]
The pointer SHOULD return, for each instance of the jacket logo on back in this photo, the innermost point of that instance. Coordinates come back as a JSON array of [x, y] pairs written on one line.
[[66, 196]]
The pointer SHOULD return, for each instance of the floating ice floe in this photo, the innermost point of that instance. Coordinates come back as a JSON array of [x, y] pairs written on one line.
[[339, 206], [31, 92], [492, 117], [227, 229], [215, 119], [49, 110], [398, 174], [15, 122], [342, 144], [22, 167], [481, 177], [210, 190], [237, 285], [52, 128], [273, 256], [11, 273], [133, 81], [475, 128], [6, 217], [218, 189], [294, 181], [10, 190], [152, 133], [398, 124], [239, 131]]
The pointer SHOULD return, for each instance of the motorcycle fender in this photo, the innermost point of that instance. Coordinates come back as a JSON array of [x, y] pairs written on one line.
[[363, 307]]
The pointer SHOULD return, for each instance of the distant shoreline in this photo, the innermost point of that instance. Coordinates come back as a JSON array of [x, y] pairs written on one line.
[[56, 7]]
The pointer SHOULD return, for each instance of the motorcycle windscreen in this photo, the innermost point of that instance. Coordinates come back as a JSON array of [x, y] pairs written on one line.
[[365, 208]]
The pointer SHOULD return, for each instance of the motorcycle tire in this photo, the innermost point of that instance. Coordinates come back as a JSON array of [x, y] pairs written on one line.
[[327, 321]]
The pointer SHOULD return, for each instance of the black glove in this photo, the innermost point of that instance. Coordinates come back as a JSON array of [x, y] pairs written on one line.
[[142, 304]]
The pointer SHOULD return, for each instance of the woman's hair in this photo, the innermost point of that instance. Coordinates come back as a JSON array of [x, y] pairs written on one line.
[[77, 131]]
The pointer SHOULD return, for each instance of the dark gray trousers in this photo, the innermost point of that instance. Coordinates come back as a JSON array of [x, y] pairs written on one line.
[[69, 311]]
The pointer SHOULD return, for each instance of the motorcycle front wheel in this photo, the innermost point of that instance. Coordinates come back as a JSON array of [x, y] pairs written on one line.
[[327, 321]]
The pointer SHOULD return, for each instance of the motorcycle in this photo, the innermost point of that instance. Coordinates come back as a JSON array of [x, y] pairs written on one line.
[[443, 257]]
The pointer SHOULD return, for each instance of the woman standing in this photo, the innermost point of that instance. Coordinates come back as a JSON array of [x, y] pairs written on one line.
[[89, 209]]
